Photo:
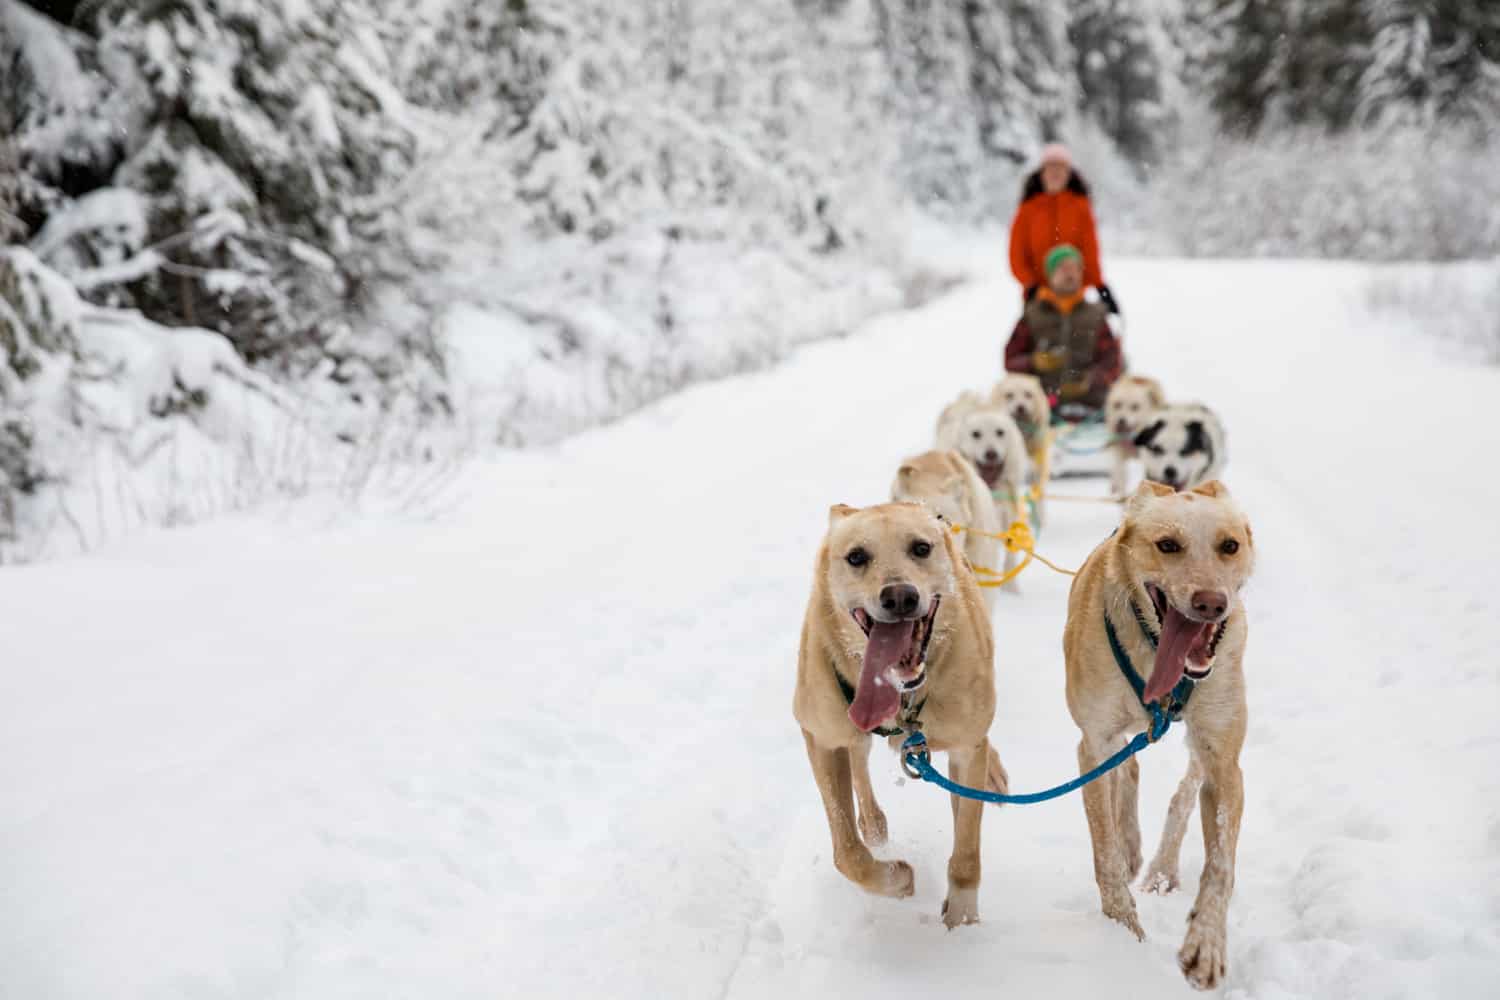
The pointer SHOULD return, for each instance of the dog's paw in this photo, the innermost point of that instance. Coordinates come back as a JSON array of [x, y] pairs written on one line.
[[961, 907], [896, 880], [872, 828], [1160, 881], [1120, 905], [1204, 955]]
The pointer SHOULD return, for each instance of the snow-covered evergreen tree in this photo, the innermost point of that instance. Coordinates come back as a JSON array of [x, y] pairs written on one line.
[[1431, 60], [1119, 63]]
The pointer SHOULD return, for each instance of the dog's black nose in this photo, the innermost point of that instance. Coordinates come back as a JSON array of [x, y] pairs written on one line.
[[1170, 475], [1210, 604], [992, 456], [899, 598]]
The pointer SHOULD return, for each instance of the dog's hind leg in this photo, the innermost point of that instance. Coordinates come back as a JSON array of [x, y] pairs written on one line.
[[1109, 859], [872, 826], [1127, 815], [832, 771], [1161, 876], [967, 766]]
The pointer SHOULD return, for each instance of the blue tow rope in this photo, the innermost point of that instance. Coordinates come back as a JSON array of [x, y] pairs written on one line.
[[918, 764]]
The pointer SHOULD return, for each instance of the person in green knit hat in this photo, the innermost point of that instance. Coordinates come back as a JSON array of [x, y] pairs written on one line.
[[1064, 339]]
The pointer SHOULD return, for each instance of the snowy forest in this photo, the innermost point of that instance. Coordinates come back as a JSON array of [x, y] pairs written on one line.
[[255, 249]]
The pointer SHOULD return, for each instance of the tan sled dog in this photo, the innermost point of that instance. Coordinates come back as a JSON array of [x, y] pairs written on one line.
[[896, 637], [948, 486], [1023, 398], [1131, 400], [1167, 583]]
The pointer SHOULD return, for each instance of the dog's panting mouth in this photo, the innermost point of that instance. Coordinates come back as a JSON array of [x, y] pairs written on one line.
[[1184, 642], [990, 472], [893, 663]]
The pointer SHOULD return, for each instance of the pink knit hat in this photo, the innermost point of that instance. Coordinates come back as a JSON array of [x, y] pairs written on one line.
[[1056, 152]]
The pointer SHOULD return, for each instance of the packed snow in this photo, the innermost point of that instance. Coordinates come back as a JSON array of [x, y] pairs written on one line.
[[541, 745]]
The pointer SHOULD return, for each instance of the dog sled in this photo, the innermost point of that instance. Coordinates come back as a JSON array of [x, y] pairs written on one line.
[[1080, 437]]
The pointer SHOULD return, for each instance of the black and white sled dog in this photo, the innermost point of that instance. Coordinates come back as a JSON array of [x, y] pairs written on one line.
[[1182, 446]]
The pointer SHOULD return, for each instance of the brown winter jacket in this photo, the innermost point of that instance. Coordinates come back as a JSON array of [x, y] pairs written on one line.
[[1080, 354]]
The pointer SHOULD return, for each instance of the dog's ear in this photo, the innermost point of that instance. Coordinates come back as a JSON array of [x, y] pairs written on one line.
[[1144, 494], [1197, 438], [906, 472], [1212, 488], [1147, 434], [838, 512]]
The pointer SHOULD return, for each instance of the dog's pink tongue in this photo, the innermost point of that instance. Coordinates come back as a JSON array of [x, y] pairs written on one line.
[[876, 699], [1179, 637]]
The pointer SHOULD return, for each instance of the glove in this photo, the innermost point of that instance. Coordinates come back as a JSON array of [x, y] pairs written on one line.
[[1108, 298], [1031, 292], [1047, 362], [1072, 392]]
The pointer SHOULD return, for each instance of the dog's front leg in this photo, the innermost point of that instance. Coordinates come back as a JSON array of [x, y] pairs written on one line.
[[1100, 804], [1117, 472], [1128, 814], [872, 825], [1204, 952], [1161, 876], [969, 766], [831, 769]]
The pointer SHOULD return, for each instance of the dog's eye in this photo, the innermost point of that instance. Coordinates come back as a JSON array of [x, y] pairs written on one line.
[[921, 549], [1229, 546], [1134, 407], [1169, 546], [977, 435], [857, 557]]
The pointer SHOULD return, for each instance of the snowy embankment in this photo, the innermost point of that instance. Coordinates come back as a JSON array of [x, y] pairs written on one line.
[[543, 746]]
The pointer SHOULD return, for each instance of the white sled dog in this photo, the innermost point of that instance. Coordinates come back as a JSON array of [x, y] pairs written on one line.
[[896, 636], [1154, 615], [989, 439], [1182, 445], [1131, 400], [946, 484]]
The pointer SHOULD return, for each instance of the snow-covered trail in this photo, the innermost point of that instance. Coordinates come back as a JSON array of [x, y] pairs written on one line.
[[544, 747]]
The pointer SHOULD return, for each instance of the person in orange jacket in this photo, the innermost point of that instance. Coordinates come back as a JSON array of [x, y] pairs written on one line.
[[1055, 210]]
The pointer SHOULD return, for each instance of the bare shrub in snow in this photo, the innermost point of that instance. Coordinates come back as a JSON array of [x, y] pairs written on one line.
[[1457, 304]]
